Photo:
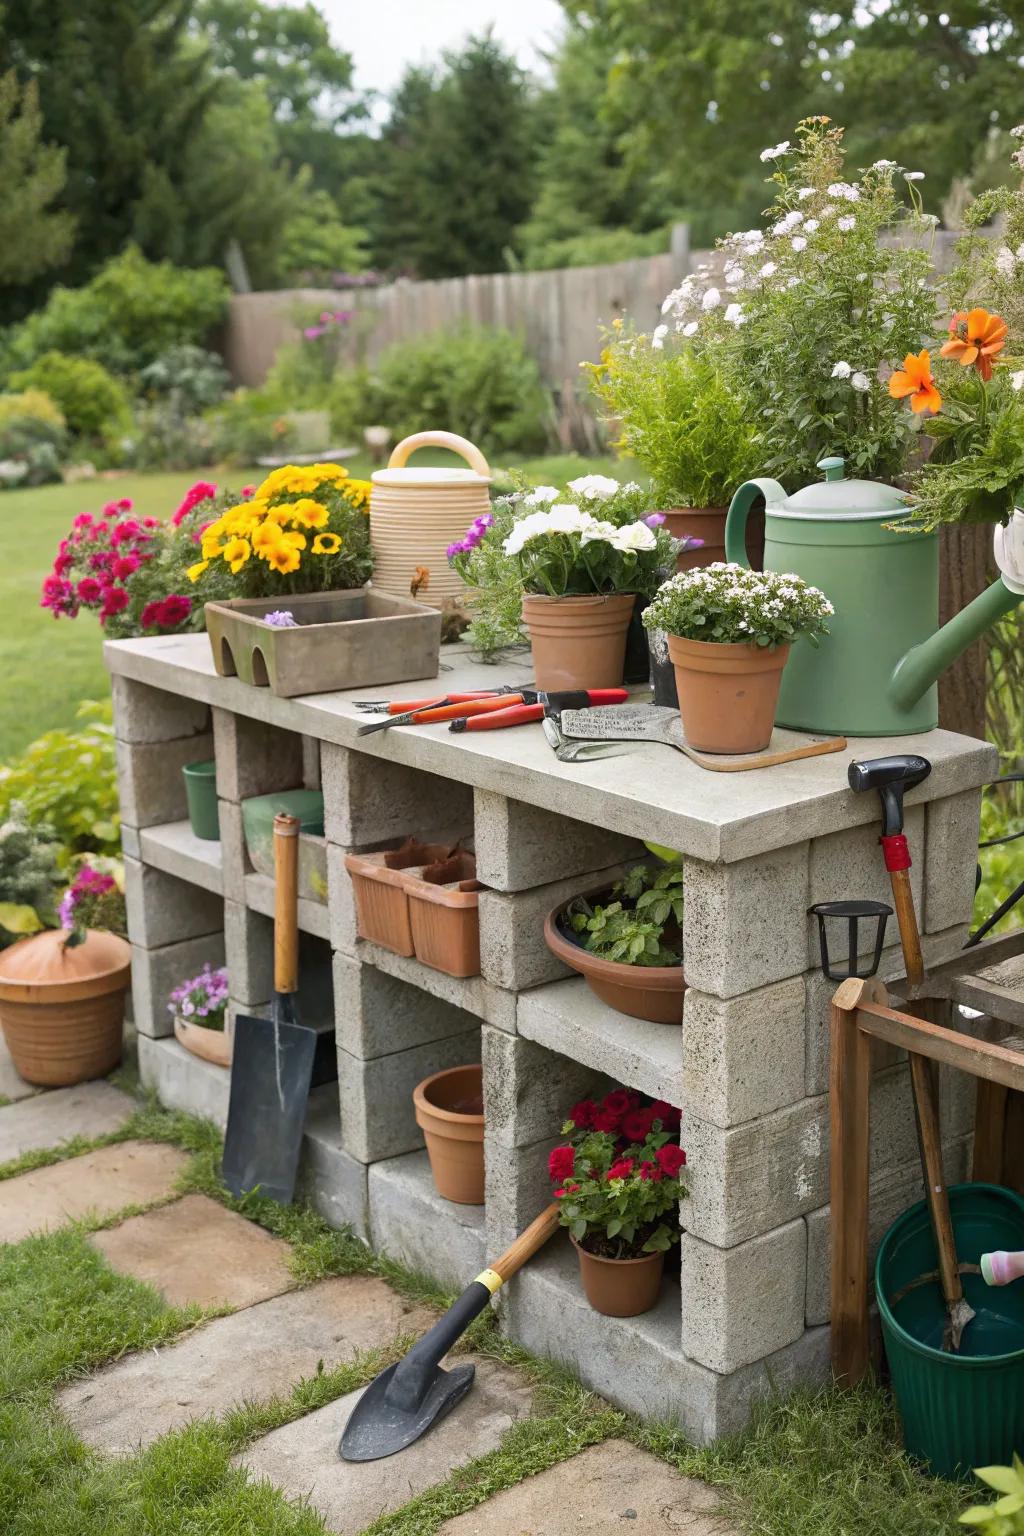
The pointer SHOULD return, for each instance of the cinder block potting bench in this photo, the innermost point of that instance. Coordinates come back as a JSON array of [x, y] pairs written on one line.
[[749, 1307]]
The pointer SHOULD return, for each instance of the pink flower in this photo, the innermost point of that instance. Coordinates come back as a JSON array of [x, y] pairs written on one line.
[[247, 491], [125, 504], [201, 491], [176, 609], [62, 564], [124, 565], [115, 600], [83, 520], [151, 522], [89, 589]]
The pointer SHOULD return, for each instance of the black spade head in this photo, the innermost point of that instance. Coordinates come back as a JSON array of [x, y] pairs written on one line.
[[378, 1427]]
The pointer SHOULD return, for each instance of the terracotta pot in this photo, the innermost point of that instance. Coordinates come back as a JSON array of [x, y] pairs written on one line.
[[708, 523], [727, 693], [651, 992], [620, 1287], [208, 1044], [578, 642], [381, 893], [62, 1010], [444, 915], [449, 1111]]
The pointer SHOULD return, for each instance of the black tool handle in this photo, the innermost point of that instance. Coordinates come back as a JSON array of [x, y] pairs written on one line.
[[414, 1374]]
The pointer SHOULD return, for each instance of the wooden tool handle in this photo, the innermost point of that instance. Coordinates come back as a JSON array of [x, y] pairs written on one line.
[[910, 937], [922, 1077], [286, 903], [527, 1243]]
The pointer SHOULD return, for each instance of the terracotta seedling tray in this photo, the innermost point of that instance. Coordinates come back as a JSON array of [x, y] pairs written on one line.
[[444, 915], [651, 992], [381, 893], [340, 640]]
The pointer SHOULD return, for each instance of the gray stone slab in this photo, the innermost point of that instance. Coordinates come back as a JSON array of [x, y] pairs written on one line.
[[743, 1056], [149, 778], [517, 1188], [182, 1081], [143, 714], [849, 865], [164, 909], [744, 923], [12, 1085], [249, 1357], [99, 1183], [248, 952], [313, 915], [333, 1182], [565, 1016], [196, 1251], [369, 800], [952, 828], [512, 949], [495, 1005], [89, 1109], [410, 1221], [708, 816], [529, 1090], [175, 849], [302, 1458], [254, 757], [519, 846], [376, 1014], [377, 1118], [741, 1304], [156, 972], [606, 1487]]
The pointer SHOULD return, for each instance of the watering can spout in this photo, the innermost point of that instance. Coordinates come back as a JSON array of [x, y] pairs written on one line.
[[924, 664]]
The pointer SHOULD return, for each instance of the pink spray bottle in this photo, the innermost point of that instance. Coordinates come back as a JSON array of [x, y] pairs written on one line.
[[1000, 1268]]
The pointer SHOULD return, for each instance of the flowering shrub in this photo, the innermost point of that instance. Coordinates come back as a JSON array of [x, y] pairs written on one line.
[[727, 603], [641, 925], [203, 1000], [95, 561], [94, 899], [618, 1175], [33, 439]]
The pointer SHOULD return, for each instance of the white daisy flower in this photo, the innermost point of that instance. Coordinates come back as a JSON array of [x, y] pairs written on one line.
[[658, 336], [861, 381], [804, 193], [913, 175], [841, 371], [691, 329], [846, 223], [775, 152], [598, 487], [844, 190], [735, 316], [811, 226], [768, 270], [711, 300], [799, 243]]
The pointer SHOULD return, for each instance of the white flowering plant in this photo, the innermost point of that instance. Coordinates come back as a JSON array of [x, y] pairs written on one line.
[[729, 604], [811, 309]]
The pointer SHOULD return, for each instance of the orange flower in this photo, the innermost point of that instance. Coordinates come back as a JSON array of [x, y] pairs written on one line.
[[976, 337], [915, 379]]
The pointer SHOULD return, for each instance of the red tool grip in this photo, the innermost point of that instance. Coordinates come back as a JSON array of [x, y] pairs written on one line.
[[404, 706], [496, 720], [607, 695], [496, 703], [896, 852]]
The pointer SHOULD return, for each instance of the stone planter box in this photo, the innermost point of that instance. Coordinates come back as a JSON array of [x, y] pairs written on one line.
[[340, 640]]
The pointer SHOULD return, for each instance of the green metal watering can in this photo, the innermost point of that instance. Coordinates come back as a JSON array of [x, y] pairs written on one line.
[[875, 673]]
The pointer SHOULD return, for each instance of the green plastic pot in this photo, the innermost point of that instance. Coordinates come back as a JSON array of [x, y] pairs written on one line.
[[201, 794], [966, 1409]]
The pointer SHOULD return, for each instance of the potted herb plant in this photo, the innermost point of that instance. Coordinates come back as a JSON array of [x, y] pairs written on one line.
[[729, 633], [627, 942], [685, 421], [618, 1181], [199, 1007], [572, 564]]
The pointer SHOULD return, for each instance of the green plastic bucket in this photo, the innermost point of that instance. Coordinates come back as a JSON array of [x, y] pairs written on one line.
[[966, 1409], [201, 794]]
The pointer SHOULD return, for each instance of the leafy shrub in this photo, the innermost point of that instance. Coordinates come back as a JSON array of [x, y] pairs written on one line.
[[189, 376], [249, 425], [67, 780], [33, 442], [315, 243], [348, 401], [29, 875], [93, 403], [130, 313], [595, 248], [1005, 1515], [480, 383], [164, 438]]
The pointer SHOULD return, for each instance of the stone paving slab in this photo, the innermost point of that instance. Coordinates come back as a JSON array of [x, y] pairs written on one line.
[[302, 1458], [608, 1487], [12, 1085], [196, 1251], [88, 1109], [250, 1356], [100, 1182]]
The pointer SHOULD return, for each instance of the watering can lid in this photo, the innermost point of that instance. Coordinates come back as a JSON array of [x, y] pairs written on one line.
[[836, 496], [433, 479]]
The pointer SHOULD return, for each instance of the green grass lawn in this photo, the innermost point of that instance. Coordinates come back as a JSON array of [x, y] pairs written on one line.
[[49, 665]]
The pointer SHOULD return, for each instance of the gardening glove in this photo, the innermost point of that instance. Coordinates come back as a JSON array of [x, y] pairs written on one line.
[[1009, 553]]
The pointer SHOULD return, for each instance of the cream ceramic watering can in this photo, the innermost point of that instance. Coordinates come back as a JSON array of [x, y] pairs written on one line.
[[415, 513]]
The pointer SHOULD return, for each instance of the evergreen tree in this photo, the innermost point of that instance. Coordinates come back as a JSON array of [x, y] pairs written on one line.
[[33, 235]]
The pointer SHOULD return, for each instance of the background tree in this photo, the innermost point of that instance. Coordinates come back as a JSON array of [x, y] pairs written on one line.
[[33, 235]]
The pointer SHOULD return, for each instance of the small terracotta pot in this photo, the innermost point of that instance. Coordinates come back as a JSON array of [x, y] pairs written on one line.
[[444, 915], [449, 1111], [728, 693], [381, 893], [208, 1044], [62, 1010], [652, 992], [578, 642], [708, 523], [620, 1287]]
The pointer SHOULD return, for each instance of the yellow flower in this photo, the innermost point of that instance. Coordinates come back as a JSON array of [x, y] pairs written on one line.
[[358, 493], [328, 472], [237, 553], [266, 537], [326, 544], [283, 559], [311, 514], [195, 571], [275, 483], [211, 548], [295, 540]]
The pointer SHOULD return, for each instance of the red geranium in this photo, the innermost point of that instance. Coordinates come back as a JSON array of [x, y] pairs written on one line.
[[637, 1124], [561, 1162], [582, 1114], [618, 1102], [670, 1117], [651, 1171], [620, 1170], [671, 1159]]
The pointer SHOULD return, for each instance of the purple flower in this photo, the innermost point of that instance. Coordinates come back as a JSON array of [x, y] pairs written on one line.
[[313, 332], [281, 618], [655, 519]]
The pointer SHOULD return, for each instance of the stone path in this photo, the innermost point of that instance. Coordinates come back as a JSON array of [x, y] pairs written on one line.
[[194, 1250], [12, 1085]]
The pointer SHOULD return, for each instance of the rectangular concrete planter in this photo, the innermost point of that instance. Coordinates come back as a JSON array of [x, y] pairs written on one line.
[[340, 640]]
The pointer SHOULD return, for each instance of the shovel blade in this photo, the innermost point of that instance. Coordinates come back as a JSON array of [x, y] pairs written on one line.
[[377, 1428]]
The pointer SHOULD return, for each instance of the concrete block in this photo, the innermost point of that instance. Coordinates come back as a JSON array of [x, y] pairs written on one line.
[[412, 1223], [517, 1188], [377, 1015], [743, 1056], [951, 860], [529, 1091], [755, 1177], [156, 972], [892, 1191], [512, 949], [181, 1081], [744, 923], [848, 865], [334, 1183], [341, 904], [805, 1363], [234, 860], [163, 909], [566, 1017], [130, 845], [254, 758], [472, 993], [311, 775], [373, 799], [249, 955], [149, 778], [143, 714], [377, 1118], [741, 1304], [519, 845]]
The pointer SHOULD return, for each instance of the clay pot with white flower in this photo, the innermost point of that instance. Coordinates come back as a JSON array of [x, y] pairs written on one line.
[[729, 634]]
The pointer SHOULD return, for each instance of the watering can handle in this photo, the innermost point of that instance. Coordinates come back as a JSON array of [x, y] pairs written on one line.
[[451, 440], [739, 510]]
